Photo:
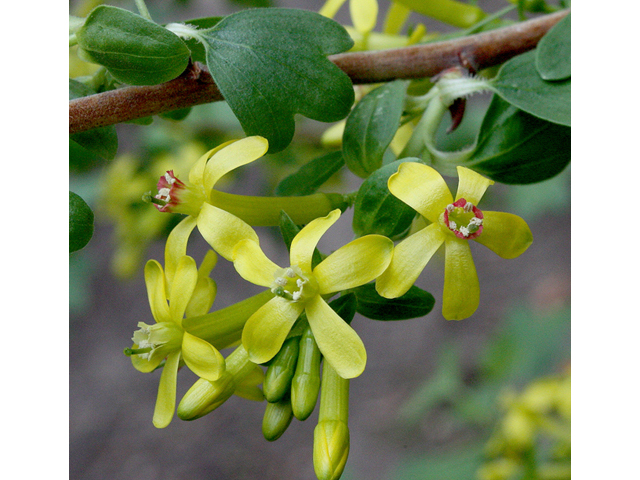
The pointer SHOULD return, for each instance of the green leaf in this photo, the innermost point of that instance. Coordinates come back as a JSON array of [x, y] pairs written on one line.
[[135, 50], [553, 54], [80, 222], [198, 52], [413, 304], [101, 141], [519, 83], [271, 63], [518, 148], [371, 126], [345, 306], [376, 210], [176, 115], [310, 176]]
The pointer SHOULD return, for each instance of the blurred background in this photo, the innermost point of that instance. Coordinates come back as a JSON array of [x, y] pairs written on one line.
[[438, 399]]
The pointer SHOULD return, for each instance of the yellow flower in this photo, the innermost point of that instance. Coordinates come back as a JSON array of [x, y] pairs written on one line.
[[187, 291], [300, 287], [223, 218], [453, 223]]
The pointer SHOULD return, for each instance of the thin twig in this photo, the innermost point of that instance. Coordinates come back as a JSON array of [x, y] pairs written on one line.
[[196, 86]]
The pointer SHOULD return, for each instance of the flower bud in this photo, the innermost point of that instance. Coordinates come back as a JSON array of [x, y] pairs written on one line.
[[331, 435], [330, 449], [277, 417], [305, 384], [278, 378]]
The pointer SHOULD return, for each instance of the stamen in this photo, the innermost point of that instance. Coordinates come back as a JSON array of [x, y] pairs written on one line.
[[464, 231], [169, 178], [290, 273], [280, 281], [296, 295], [452, 225], [450, 207], [468, 207]]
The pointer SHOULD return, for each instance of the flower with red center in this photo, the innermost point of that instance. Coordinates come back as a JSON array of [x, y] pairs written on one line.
[[223, 218], [452, 223]]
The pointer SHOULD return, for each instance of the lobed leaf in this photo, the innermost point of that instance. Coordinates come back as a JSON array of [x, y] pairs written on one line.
[[271, 64]]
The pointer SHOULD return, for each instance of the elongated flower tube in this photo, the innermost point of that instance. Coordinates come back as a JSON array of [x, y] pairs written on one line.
[[301, 288], [224, 218], [167, 339], [452, 223], [331, 435]]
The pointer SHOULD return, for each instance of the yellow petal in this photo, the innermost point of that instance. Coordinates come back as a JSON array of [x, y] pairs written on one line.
[[471, 185], [307, 239], [202, 358], [208, 263], [339, 343], [252, 264], [409, 259], [364, 14], [506, 234], [154, 279], [331, 7], [144, 365], [184, 282], [233, 156], [266, 330], [223, 230], [461, 294], [176, 246], [166, 401], [397, 15], [202, 298], [196, 174], [354, 264], [422, 188]]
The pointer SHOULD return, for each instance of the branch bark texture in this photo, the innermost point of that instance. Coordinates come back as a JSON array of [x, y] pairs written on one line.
[[196, 86]]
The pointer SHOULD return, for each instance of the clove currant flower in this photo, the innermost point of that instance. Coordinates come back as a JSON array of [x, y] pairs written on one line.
[[453, 223], [167, 339], [301, 288], [224, 218]]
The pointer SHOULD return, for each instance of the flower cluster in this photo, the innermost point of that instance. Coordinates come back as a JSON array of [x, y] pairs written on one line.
[[295, 338]]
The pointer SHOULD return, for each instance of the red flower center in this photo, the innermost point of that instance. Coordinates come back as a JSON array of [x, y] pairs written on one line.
[[464, 219]]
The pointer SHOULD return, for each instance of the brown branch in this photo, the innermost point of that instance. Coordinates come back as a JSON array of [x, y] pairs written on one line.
[[196, 86]]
